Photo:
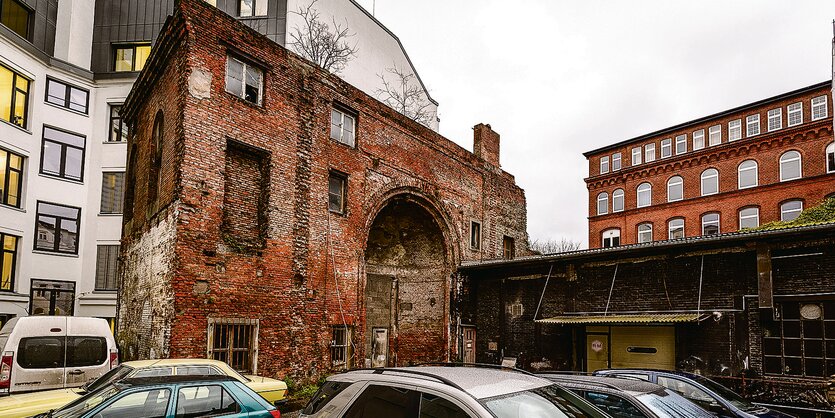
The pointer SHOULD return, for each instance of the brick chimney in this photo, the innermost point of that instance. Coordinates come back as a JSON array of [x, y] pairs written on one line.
[[486, 144]]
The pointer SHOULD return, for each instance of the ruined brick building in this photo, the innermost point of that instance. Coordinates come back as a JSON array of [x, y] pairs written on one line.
[[284, 221]]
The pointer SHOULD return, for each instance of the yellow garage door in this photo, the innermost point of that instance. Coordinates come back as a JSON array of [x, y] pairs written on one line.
[[643, 347]]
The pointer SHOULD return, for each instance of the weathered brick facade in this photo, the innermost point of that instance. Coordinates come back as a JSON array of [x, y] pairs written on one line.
[[242, 217], [810, 138], [715, 276]]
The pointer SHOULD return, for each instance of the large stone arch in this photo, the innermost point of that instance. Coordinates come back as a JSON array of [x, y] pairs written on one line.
[[409, 257]]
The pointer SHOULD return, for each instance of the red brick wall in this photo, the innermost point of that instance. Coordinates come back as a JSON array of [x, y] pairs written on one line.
[[809, 138], [311, 272]]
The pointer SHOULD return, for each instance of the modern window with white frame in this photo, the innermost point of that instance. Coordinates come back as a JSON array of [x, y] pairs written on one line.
[[617, 200], [616, 160], [752, 125], [830, 158], [604, 164], [602, 203], [795, 112], [715, 135], [790, 210], [649, 153], [710, 223], [675, 189], [698, 139], [791, 166], [819, 110], [710, 181], [681, 144], [644, 195], [748, 175], [644, 233], [666, 147], [749, 217], [735, 130], [244, 80], [775, 119], [675, 228], [611, 238], [637, 153], [343, 127]]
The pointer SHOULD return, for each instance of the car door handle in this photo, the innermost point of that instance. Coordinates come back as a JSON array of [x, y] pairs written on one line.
[[75, 372]]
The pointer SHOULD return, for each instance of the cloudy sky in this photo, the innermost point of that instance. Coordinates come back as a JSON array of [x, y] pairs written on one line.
[[559, 77]]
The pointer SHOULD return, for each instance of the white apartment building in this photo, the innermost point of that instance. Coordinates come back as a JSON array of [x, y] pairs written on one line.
[[65, 68]]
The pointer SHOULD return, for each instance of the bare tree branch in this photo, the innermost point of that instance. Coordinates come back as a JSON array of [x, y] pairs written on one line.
[[316, 41], [554, 246], [402, 93]]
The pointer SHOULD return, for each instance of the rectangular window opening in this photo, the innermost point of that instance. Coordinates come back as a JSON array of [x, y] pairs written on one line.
[[67, 96], [475, 235]]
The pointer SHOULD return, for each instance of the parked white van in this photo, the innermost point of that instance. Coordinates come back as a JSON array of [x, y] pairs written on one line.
[[54, 352]]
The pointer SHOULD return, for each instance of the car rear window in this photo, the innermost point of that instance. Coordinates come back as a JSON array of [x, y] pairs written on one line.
[[324, 395], [41, 352], [198, 371], [86, 351]]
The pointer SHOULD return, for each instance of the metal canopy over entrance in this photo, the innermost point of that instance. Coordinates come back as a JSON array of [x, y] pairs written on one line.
[[647, 318]]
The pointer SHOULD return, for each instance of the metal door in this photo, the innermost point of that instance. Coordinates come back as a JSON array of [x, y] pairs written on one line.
[[379, 347], [469, 344], [597, 351], [652, 347]]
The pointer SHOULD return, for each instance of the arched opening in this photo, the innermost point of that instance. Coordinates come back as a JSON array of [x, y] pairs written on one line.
[[407, 270]]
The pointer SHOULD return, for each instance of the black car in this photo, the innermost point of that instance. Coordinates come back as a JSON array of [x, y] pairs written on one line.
[[627, 398], [701, 390]]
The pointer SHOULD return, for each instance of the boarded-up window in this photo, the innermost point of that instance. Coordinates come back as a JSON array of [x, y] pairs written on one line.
[[107, 267], [245, 196], [234, 341], [112, 192]]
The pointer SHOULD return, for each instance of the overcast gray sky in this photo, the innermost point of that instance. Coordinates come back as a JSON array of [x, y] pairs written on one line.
[[557, 78]]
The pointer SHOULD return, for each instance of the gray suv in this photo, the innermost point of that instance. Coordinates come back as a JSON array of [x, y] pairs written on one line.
[[445, 392]]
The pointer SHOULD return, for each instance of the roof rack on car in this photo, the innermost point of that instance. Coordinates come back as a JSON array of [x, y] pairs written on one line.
[[382, 370], [578, 379], [482, 365]]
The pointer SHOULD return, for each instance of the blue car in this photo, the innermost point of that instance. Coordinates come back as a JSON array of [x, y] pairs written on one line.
[[700, 390], [169, 397]]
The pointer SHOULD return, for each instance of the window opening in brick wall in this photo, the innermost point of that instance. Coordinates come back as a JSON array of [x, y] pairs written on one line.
[[508, 248], [604, 165], [341, 346], [475, 235], [14, 97], [644, 233], [749, 218], [11, 178], [752, 125], [698, 139], [675, 228], [710, 224], [610, 238], [666, 147], [602, 203], [244, 80], [790, 210], [57, 228], [155, 163], [649, 153], [775, 119], [337, 191], [62, 154], [675, 189], [795, 111], [735, 130], [715, 135], [343, 127], [800, 339], [235, 342], [112, 192], [616, 161], [617, 200], [245, 197], [636, 155], [681, 144], [830, 158], [747, 173], [819, 110], [107, 267], [644, 195], [8, 261], [710, 181], [791, 166]]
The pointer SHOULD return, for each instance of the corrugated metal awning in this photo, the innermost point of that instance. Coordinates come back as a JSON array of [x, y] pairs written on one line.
[[648, 318]]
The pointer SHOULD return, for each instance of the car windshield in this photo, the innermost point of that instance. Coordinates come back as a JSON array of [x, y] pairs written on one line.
[[114, 375], [546, 402], [725, 393], [87, 402], [665, 403]]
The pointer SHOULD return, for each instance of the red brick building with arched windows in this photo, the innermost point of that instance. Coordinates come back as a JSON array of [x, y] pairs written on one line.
[[747, 166]]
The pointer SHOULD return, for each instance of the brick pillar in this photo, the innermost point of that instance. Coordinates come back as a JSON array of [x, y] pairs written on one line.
[[486, 144]]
